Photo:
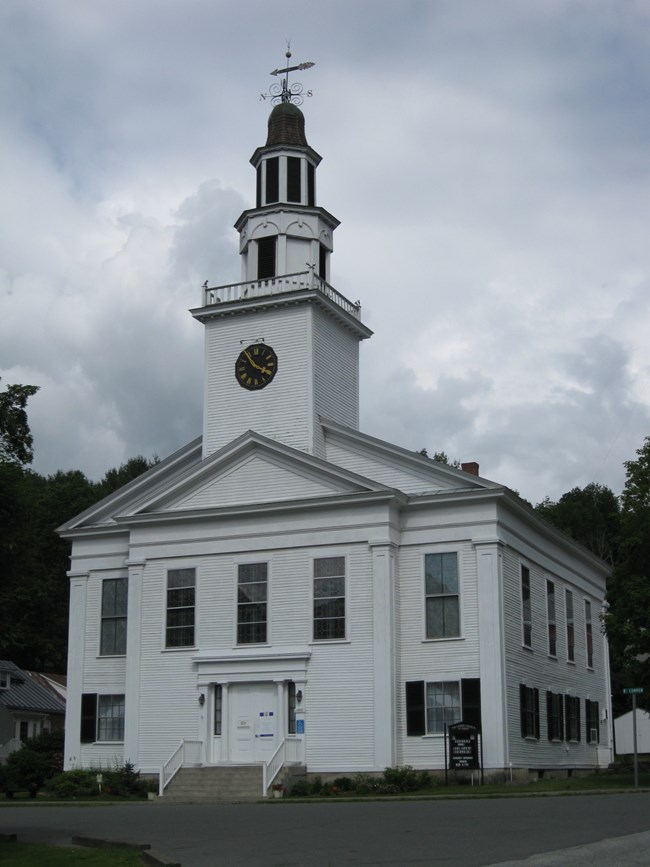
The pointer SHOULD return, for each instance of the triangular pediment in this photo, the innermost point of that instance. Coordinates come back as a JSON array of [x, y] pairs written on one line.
[[254, 470], [394, 466]]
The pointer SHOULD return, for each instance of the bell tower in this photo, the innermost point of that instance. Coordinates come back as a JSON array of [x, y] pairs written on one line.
[[281, 346]]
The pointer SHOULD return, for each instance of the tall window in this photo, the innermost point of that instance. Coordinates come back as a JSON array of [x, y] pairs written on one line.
[[322, 261], [555, 716], [592, 721], [266, 255], [110, 718], [431, 706], [291, 708], [102, 718], [529, 711], [589, 638], [441, 592], [181, 592], [218, 708], [311, 184], [113, 628], [443, 706], [526, 615], [329, 598], [251, 603], [570, 628], [572, 717], [550, 610]]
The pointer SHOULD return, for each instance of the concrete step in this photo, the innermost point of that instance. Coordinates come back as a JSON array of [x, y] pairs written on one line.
[[208, 784]]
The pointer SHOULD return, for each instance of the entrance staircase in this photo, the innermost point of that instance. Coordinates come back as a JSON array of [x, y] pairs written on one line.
[[210, 784]]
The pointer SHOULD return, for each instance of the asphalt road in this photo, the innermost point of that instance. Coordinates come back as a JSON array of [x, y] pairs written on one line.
[[594, 830]]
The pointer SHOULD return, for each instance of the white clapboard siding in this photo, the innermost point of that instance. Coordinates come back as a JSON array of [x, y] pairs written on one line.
[[283, 409]]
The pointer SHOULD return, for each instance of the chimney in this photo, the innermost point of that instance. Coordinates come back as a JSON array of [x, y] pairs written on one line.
[[470, 467]]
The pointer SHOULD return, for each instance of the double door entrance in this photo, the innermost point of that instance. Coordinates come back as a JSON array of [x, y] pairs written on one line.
[[253, 730]]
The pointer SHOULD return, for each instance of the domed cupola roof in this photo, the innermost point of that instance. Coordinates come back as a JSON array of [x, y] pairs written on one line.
[[286, 126]]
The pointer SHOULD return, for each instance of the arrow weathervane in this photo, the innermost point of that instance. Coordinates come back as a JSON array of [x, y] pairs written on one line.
[[282, 92]]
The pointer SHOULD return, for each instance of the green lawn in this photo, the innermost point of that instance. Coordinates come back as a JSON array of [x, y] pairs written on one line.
[[33, 855]]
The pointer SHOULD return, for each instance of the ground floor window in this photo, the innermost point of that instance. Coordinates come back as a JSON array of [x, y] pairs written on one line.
[[102, 718], [529, 711], [431, 706]]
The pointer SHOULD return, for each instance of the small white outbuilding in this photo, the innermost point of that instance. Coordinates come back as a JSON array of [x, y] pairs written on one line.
[[623, 731]]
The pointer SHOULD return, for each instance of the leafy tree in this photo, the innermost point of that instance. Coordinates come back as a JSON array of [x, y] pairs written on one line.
[[15, 437], [441, 457], [628, 620], [590, 515]]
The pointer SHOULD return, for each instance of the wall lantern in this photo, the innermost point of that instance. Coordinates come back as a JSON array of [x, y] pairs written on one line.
[[202, 699], [299, 696]]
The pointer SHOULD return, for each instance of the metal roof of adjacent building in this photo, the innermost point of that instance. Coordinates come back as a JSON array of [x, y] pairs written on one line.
[[25, 694]]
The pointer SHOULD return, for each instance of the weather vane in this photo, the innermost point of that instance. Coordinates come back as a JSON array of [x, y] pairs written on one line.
[[282, 91]]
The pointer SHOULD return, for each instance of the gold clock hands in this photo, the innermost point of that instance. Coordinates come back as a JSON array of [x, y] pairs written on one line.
[[257, 366]]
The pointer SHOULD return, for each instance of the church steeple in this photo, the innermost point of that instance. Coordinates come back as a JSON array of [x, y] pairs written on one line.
[[282, 346]]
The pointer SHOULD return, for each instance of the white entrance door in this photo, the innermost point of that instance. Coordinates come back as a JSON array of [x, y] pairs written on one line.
[[252, 722]]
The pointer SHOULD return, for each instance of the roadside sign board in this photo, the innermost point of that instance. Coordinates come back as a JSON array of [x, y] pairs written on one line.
[[463, 747], [632, 690]]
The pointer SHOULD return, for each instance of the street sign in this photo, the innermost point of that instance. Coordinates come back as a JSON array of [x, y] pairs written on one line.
[[632, 690]]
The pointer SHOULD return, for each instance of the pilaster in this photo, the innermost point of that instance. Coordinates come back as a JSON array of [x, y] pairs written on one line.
[[383, 589], [76, 660], [133, 663]]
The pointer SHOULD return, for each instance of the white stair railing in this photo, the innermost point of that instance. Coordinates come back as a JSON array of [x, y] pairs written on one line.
[[272, 768], [188, 752]]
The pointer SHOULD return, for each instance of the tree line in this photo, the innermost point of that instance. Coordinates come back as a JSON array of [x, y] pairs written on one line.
[[34, 560]]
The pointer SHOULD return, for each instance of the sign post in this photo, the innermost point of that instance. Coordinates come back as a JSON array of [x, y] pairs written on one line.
[[634, 691]]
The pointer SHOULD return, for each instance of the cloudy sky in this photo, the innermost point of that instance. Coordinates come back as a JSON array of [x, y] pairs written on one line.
[[489, 161]]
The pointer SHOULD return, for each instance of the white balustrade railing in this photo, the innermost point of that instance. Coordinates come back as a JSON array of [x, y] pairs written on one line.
[[186, 753], [278, 286], [272, 768]]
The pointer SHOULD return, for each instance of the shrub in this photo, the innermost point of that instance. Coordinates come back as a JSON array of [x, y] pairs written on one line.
[[78, 783], [344, 784], [405, 779], [122, 780], [301, 789], [26, 770], [363, 784]]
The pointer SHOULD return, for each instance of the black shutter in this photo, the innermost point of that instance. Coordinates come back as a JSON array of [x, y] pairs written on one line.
[[595, 715], [560, 710], [258, 196], [415, 724], [266, 257], [311, 185], [322, 262], [549, 714], [522, 709], [565, 713], [88, 718], [293, 179], [578, 715], [537, 713], [471, 692], [272, 179]]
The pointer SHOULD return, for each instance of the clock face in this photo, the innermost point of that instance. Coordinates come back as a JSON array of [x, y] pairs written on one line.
[[256, 366]]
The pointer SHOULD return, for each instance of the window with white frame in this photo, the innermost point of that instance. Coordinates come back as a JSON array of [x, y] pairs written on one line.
[[181, 597], [110, 718], [114, 607], [589, 638], [550, 613], [572, 717], [329, 598], [431, 706], [252, 592], [443, 706], [441, 595], [526, 609], [570, 627], [529, 711]]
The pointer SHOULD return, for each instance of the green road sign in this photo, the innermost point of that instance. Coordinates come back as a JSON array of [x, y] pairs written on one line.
[[632, 690]]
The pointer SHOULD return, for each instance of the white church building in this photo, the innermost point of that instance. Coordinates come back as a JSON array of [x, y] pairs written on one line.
[[287, 590]]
